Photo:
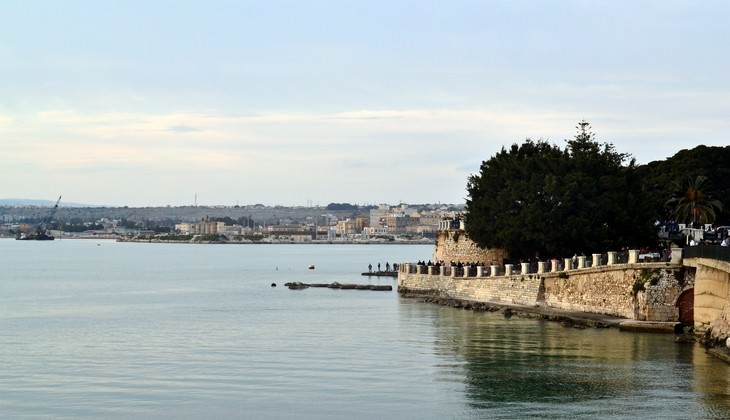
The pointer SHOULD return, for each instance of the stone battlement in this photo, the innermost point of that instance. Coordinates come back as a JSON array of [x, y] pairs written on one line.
[[603, 284], [541, 267]]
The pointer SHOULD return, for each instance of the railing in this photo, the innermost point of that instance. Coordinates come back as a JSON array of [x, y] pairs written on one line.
[[721, 253], [551, 266]]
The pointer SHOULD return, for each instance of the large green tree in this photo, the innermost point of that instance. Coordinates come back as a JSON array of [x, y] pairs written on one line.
[[538, 200]]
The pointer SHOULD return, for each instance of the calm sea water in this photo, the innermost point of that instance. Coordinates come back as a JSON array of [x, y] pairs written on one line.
[[122, 330]]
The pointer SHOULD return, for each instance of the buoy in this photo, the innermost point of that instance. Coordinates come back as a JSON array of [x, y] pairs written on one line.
[[311, 266], [273, 284]]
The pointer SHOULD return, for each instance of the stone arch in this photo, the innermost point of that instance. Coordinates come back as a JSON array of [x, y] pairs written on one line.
[[686, 305]]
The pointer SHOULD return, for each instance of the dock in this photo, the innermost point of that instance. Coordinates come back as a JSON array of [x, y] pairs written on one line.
[[393, 274]]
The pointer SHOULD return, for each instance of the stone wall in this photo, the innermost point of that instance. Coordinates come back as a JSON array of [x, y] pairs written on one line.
[[640, 291], [513, 290], [662, 287], [645, 292], [454, 245], [712, 298], [598, 291]]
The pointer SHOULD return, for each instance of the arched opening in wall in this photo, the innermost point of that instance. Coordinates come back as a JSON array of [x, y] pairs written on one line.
[[686, 305]]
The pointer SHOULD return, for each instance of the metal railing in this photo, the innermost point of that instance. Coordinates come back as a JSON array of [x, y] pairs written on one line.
[[714, 252]]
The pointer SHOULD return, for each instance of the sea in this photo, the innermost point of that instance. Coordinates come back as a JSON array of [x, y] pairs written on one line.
[[117, 330]]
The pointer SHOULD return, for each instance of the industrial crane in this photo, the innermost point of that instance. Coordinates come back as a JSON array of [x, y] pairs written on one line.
[[41, 230]]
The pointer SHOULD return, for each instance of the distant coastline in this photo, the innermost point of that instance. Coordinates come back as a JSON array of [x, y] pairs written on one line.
[[269, 242], [273, 242]]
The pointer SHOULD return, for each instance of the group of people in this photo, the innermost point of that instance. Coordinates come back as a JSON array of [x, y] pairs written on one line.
[[723, 242], [458, 264], [387, 267]]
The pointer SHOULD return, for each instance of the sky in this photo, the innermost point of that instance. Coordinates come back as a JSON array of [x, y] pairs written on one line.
[[297, 103]]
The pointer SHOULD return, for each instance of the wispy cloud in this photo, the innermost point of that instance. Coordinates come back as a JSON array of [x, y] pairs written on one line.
[[182, 129]]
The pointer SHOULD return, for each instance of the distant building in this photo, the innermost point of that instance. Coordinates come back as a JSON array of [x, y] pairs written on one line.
[[399, 223], [350, 227], [377, 216], [204, 227], [296, 232]]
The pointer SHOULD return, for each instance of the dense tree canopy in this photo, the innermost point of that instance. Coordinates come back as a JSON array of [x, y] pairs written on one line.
[[538, 200], [341, 206], [663, 179]]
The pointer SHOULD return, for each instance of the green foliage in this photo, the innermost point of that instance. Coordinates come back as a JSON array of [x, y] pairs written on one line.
[[536, 199], [660, 178], [341, 206], [79, 227], [653, 276], [175, 237], [692, 204], [512, 195], [210, 237]]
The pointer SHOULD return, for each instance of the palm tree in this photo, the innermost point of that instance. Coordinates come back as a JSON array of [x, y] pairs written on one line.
[[691, 204]]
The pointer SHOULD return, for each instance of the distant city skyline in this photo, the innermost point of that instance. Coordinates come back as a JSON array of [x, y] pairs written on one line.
[[299, 103], [24, 202]]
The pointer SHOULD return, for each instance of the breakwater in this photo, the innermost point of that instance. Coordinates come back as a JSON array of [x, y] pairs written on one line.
[[297, 285]]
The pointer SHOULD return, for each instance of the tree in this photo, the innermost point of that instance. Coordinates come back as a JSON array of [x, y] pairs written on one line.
[[660, 178], [341, 206], [511, 197], [691, 204], [537, 200]]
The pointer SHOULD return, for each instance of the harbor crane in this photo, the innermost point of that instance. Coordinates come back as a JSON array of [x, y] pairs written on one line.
[[41, 232]]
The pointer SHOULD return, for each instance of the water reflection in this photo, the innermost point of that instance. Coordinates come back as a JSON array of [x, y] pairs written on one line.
[[523, 367], [525, 360], [710, 382]]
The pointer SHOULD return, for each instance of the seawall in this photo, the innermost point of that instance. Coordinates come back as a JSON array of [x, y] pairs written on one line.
[[711, 295], [633, 290]]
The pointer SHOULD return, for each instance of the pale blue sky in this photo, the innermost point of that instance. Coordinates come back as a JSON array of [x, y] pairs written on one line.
[[294, 102]]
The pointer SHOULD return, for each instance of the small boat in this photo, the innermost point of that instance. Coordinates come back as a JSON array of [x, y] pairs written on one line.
[[311, 266]]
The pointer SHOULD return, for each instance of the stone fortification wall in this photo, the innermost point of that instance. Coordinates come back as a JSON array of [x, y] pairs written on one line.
[[642, 292], [513, 290], [639, 291], [712, 298], [662, 287], [454, 245]]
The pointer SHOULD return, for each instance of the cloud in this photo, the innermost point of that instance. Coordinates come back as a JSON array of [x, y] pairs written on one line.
[[182, 129], [306, 155]]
